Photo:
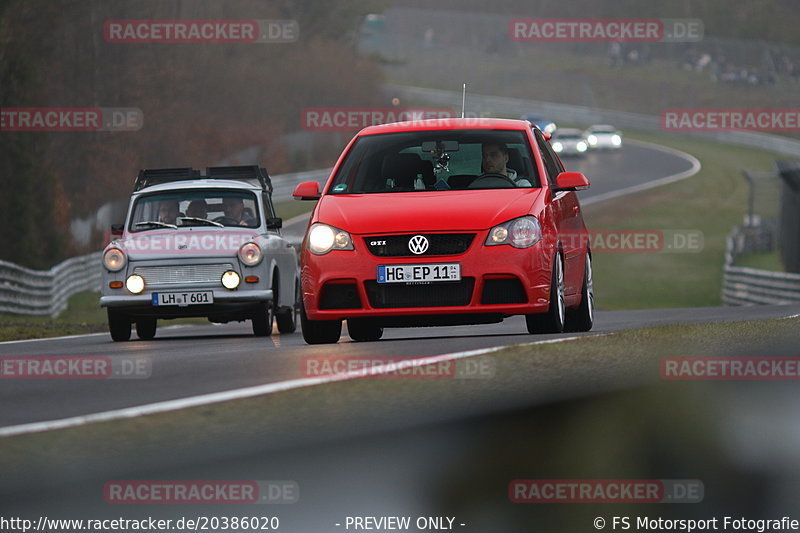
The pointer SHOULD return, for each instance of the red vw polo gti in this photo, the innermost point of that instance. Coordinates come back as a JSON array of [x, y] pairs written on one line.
[[445, 222]]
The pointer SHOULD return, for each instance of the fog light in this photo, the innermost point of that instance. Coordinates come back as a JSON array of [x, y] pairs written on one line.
[[230, 280], [135, 283]]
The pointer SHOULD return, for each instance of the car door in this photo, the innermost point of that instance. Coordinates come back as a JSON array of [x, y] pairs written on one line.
[[568, 217]]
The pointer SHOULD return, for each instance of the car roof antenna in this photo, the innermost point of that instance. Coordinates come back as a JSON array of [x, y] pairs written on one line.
[[463, 98]]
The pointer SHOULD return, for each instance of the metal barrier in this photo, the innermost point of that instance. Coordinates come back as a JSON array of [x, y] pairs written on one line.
[[24, 291], [753, 286], [477, 104], [32, 292], [45, 292]]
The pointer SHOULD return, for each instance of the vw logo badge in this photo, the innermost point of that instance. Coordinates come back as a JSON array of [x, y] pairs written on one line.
[[418, 244]]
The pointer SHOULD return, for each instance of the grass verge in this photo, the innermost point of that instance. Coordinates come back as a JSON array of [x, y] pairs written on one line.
[[524, 376], [712, 201]]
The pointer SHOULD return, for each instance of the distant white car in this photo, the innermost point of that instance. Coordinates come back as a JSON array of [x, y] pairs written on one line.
[[569, 142], [603, 137]]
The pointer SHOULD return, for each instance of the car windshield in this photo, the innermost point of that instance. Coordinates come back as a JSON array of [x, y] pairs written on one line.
[[440, 160], [179, 209]]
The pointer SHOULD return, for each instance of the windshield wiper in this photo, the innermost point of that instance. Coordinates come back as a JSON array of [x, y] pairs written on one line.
[[198, 219], [156, 223]]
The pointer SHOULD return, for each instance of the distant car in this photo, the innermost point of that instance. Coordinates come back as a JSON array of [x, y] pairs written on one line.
[[200, 246], [569, 142], [603, 137], [544, 124], [410, 231]]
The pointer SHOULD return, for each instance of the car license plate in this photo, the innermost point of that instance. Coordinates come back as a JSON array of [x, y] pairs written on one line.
[[419, 273], [183, 299]]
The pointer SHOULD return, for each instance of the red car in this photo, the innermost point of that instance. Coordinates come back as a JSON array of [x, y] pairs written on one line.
[[445, 222]]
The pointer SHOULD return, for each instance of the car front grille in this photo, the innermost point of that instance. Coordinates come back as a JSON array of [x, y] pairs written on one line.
[[182, 274], [445, 294], [439, 244]]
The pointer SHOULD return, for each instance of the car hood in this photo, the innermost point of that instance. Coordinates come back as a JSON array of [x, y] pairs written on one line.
[[425, 210]]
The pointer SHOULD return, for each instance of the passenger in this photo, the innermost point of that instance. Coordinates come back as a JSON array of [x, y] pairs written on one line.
[[197, 209]]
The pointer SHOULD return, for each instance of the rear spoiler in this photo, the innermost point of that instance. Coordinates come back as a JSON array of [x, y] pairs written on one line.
[[149, 177]]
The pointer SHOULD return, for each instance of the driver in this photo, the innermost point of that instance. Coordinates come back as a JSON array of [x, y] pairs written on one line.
[[494, 160], [168, 211], [233, 206]]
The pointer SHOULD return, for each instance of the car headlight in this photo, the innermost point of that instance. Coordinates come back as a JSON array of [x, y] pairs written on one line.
[[250, 254], [521, 232], [323, 238], [592, 139], [114, 259], [135, 283], [557, 147], [550, 128], [581, 146], [616, 140], [230, 280]]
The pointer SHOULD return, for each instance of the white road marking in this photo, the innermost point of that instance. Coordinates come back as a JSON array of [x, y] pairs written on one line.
[[696, 166], [247, 392]]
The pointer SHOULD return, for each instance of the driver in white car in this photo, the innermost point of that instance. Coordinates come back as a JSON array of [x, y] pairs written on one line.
[[494, 161]]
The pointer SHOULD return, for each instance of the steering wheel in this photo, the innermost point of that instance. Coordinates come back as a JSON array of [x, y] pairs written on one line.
[[228, 221], [491, 176]]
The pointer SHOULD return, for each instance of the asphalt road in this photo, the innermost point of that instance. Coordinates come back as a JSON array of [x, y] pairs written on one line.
[[187, 361]]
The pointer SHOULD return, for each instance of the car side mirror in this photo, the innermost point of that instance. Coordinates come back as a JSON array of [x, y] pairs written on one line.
[[274, 223], [117, 229], [308, 190], [546, 135], [570, 181]]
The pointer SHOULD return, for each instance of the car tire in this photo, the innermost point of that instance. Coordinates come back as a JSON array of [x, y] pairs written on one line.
[[262, 321], [551, 321], [363, 330], [582, 318], [119, 326], [286, 318], [319, 331], [146, 328]]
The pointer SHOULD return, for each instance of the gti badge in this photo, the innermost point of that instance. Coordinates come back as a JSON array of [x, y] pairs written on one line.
[[418, 244]]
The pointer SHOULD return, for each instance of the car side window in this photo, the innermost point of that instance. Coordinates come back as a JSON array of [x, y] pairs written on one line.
[[551, 162]]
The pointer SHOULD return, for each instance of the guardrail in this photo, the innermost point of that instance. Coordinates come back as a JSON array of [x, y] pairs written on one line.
[[33, 292], [753, 286], [25, 291], [514, 107]]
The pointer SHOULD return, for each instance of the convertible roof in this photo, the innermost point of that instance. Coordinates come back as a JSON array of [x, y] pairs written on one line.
[[149, 177]]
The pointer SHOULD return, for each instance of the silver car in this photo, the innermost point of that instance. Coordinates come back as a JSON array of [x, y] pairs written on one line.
[[603, 137], [569, 142], [200, 246]]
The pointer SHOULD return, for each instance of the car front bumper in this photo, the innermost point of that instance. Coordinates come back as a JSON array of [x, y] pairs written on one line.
[[496, 281]]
